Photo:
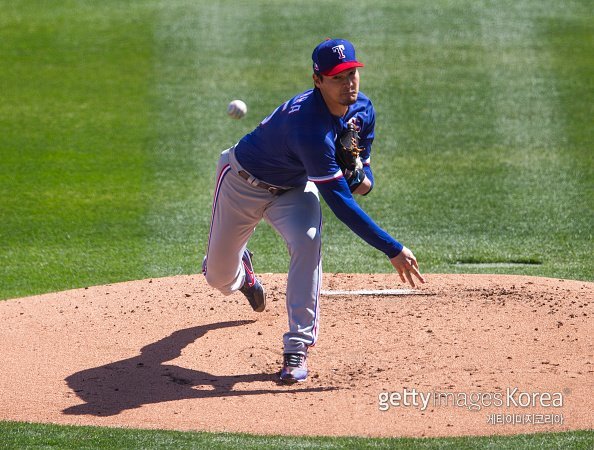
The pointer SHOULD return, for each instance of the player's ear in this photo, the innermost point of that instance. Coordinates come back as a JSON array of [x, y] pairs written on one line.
[[317, 78]]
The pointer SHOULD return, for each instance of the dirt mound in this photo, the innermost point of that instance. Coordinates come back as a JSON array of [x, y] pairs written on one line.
[[465, 355]]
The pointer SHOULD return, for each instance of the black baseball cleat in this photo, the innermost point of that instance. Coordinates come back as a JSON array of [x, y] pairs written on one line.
[[252, 288]]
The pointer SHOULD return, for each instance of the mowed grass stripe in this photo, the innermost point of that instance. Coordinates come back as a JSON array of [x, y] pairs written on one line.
[[569, 36], [522, 146], [534, 180], [198, 69], [73, 127]]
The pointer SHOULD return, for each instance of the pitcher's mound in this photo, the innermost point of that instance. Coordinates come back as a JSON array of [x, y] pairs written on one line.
[[461, 355]]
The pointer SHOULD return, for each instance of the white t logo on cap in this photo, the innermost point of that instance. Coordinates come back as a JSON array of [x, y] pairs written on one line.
[[340, 50]]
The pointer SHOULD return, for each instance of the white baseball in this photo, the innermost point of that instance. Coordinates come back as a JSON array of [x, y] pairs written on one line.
[[237, 109]]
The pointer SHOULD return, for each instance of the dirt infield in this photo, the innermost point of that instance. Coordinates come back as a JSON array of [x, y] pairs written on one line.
[[489, 354]]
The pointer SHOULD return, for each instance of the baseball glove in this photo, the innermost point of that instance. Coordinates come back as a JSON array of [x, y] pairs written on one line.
[[347, 157]]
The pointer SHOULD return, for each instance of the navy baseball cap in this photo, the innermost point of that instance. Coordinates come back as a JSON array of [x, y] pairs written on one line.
[[333, 56]]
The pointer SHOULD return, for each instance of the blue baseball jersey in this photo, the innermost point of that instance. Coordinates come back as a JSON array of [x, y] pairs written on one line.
[[296, 144]]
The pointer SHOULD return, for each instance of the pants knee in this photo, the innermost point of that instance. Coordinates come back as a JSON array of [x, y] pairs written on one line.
[[219, 281], [308, 242]]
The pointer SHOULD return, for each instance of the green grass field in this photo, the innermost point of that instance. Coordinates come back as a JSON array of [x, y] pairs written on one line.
[[113, 116], [21, 435]]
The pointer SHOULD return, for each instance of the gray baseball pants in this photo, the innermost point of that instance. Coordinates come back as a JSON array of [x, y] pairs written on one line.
[[238, 207]]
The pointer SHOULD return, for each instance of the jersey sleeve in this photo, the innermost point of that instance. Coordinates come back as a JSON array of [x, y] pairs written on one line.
[[337, 195]]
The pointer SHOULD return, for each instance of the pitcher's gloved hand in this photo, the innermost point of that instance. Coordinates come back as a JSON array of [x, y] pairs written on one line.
[[347, 157]]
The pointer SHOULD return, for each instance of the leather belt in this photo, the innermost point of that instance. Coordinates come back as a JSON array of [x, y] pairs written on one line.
[[270, 188]]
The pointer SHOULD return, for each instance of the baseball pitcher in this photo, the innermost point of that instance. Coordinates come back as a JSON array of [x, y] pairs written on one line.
[[318, 142]]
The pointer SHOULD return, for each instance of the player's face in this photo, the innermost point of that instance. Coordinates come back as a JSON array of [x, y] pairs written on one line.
[[340, 90]]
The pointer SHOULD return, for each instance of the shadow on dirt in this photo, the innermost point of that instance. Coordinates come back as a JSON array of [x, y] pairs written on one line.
[[130, 383]]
